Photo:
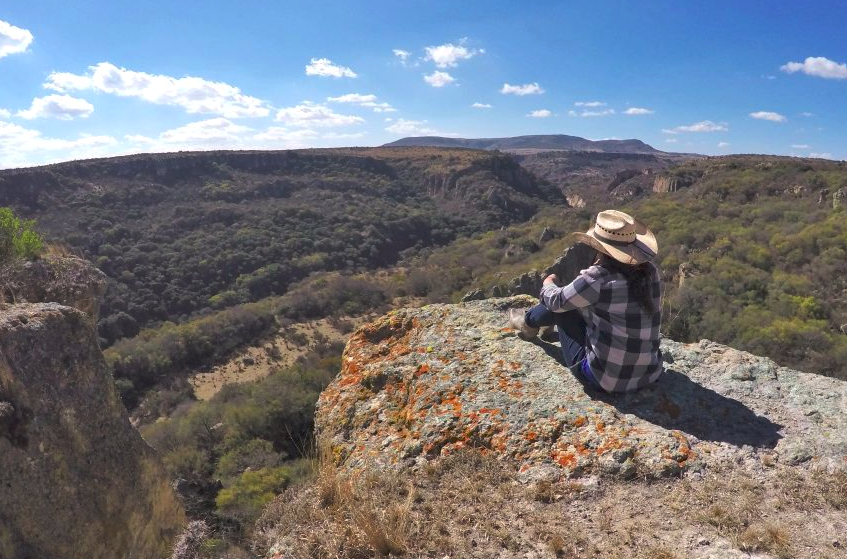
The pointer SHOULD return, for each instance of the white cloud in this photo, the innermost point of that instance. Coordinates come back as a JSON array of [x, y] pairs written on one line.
[[590, 104], [62, 107], [807, 114], [723, 144], [671, 140], [766, 115], [403, 55], [369, 101], [448, 55], [800, 146], [4, 113], [356, 98], [222, 133], [405, 127], [605, 112], [540, 113], [525, 89], [825, 155], [325, 67], [817, 66], [482, 106], [348, 136], [439, 79], [768, 77], [702, 126], [13, 39], [21, 146], [638, 111], [195, 95], [307, 115]]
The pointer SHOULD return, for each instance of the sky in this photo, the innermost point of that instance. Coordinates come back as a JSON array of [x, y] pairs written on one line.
[[95, 78]]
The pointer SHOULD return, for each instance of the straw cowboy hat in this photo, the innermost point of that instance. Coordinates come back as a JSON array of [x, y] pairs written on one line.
[[620, 236]]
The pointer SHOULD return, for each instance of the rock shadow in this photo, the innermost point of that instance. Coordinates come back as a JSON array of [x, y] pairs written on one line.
[[677, 402]]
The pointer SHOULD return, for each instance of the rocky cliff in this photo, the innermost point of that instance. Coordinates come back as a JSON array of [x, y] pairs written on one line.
[[419, 384], [68, 281], [76, 480]]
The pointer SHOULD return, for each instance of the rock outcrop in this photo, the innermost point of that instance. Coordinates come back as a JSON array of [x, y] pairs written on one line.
[[76, 480], [68, 281], [838, 198], [418, 384]]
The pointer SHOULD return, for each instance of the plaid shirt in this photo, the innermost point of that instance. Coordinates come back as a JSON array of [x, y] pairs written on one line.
[[622, 340]]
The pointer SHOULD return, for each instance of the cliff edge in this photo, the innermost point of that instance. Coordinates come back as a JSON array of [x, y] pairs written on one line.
[[76, 480], [419, 384]]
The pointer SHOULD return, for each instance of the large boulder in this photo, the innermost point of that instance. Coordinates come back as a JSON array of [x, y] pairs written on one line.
[[53, 279], [76, 480], [418, 384]]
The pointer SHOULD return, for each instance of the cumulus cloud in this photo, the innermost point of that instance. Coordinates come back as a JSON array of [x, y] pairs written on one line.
[[405, 127], [448, 55], [767, 115], [482, 106], [723, 144], [825, 155], [590, 104], [222, 133], [369, 101], [540, 113], [807, 114], [439, 79], [4, 113], [638, 111], [325, 67], [800, 146], [525, 89], [702, 126], [24, 146], [62, 107], [13, 39], [817, 66], [195, 95], [403, 55], [307, 115]]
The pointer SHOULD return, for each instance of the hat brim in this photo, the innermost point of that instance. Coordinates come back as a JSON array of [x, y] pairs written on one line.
[[643, 249]]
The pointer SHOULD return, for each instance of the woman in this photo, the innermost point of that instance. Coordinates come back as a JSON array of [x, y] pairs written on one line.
[[608, 317]]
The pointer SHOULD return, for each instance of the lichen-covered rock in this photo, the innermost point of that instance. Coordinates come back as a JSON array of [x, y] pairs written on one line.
[[68, 281], [417, 384], [76, 480]]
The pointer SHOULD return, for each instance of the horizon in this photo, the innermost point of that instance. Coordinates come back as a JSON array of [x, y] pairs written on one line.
[[102, 80]]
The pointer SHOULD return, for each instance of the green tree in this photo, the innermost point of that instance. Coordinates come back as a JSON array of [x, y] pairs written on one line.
[[18, 238]]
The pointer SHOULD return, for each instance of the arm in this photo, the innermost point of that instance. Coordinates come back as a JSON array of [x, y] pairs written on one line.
[[584, 291]]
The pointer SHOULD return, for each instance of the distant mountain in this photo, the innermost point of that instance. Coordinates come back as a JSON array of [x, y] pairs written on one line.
[[524, 144]]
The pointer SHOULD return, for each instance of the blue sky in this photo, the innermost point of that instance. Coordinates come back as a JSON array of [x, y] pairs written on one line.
[[92, 78]]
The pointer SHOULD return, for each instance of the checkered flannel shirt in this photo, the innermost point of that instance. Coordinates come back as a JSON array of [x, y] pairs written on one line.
[[622, 340]]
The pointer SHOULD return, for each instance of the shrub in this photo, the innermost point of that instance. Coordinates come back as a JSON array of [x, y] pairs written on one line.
[[18, 238]]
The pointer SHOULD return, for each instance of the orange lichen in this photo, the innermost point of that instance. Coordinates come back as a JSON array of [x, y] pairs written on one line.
[[422, 369], [531, 436], [515, 366], [566, 459], [600, 426], [579, 421]]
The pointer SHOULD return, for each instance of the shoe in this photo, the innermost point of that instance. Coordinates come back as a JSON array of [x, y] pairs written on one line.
[[548, 334], [516, 321]]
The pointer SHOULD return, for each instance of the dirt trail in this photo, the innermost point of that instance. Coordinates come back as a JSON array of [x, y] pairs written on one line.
[[257, 362]]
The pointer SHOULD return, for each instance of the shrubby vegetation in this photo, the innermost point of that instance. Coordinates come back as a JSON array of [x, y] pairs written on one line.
[[254, 438], [18, 238]]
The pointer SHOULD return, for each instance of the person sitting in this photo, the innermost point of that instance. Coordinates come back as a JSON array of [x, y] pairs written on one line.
[[607, 318]]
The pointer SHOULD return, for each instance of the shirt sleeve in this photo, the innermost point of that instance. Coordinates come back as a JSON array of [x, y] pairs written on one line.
[[582, 292]]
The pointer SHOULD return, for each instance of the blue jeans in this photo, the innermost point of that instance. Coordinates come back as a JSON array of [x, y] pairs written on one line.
[[571, 328]]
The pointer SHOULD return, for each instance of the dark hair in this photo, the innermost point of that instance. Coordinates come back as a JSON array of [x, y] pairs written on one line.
[[639, 280]]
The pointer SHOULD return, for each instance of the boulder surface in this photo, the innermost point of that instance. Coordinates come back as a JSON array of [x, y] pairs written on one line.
[[76, 480], [418, 384]]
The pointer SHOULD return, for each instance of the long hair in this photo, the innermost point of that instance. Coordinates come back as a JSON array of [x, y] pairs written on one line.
[[639, 280]]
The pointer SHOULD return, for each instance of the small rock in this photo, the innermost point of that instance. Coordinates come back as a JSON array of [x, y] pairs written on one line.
[[474, 295], [836, 544], [703, 541]]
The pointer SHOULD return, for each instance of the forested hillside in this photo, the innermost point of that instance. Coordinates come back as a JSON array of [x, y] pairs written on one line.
[[182, 233]]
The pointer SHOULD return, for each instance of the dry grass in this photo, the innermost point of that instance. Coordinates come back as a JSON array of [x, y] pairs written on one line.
[[470, 505]]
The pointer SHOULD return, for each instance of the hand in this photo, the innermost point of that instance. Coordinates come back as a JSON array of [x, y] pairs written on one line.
[[552, 279]]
